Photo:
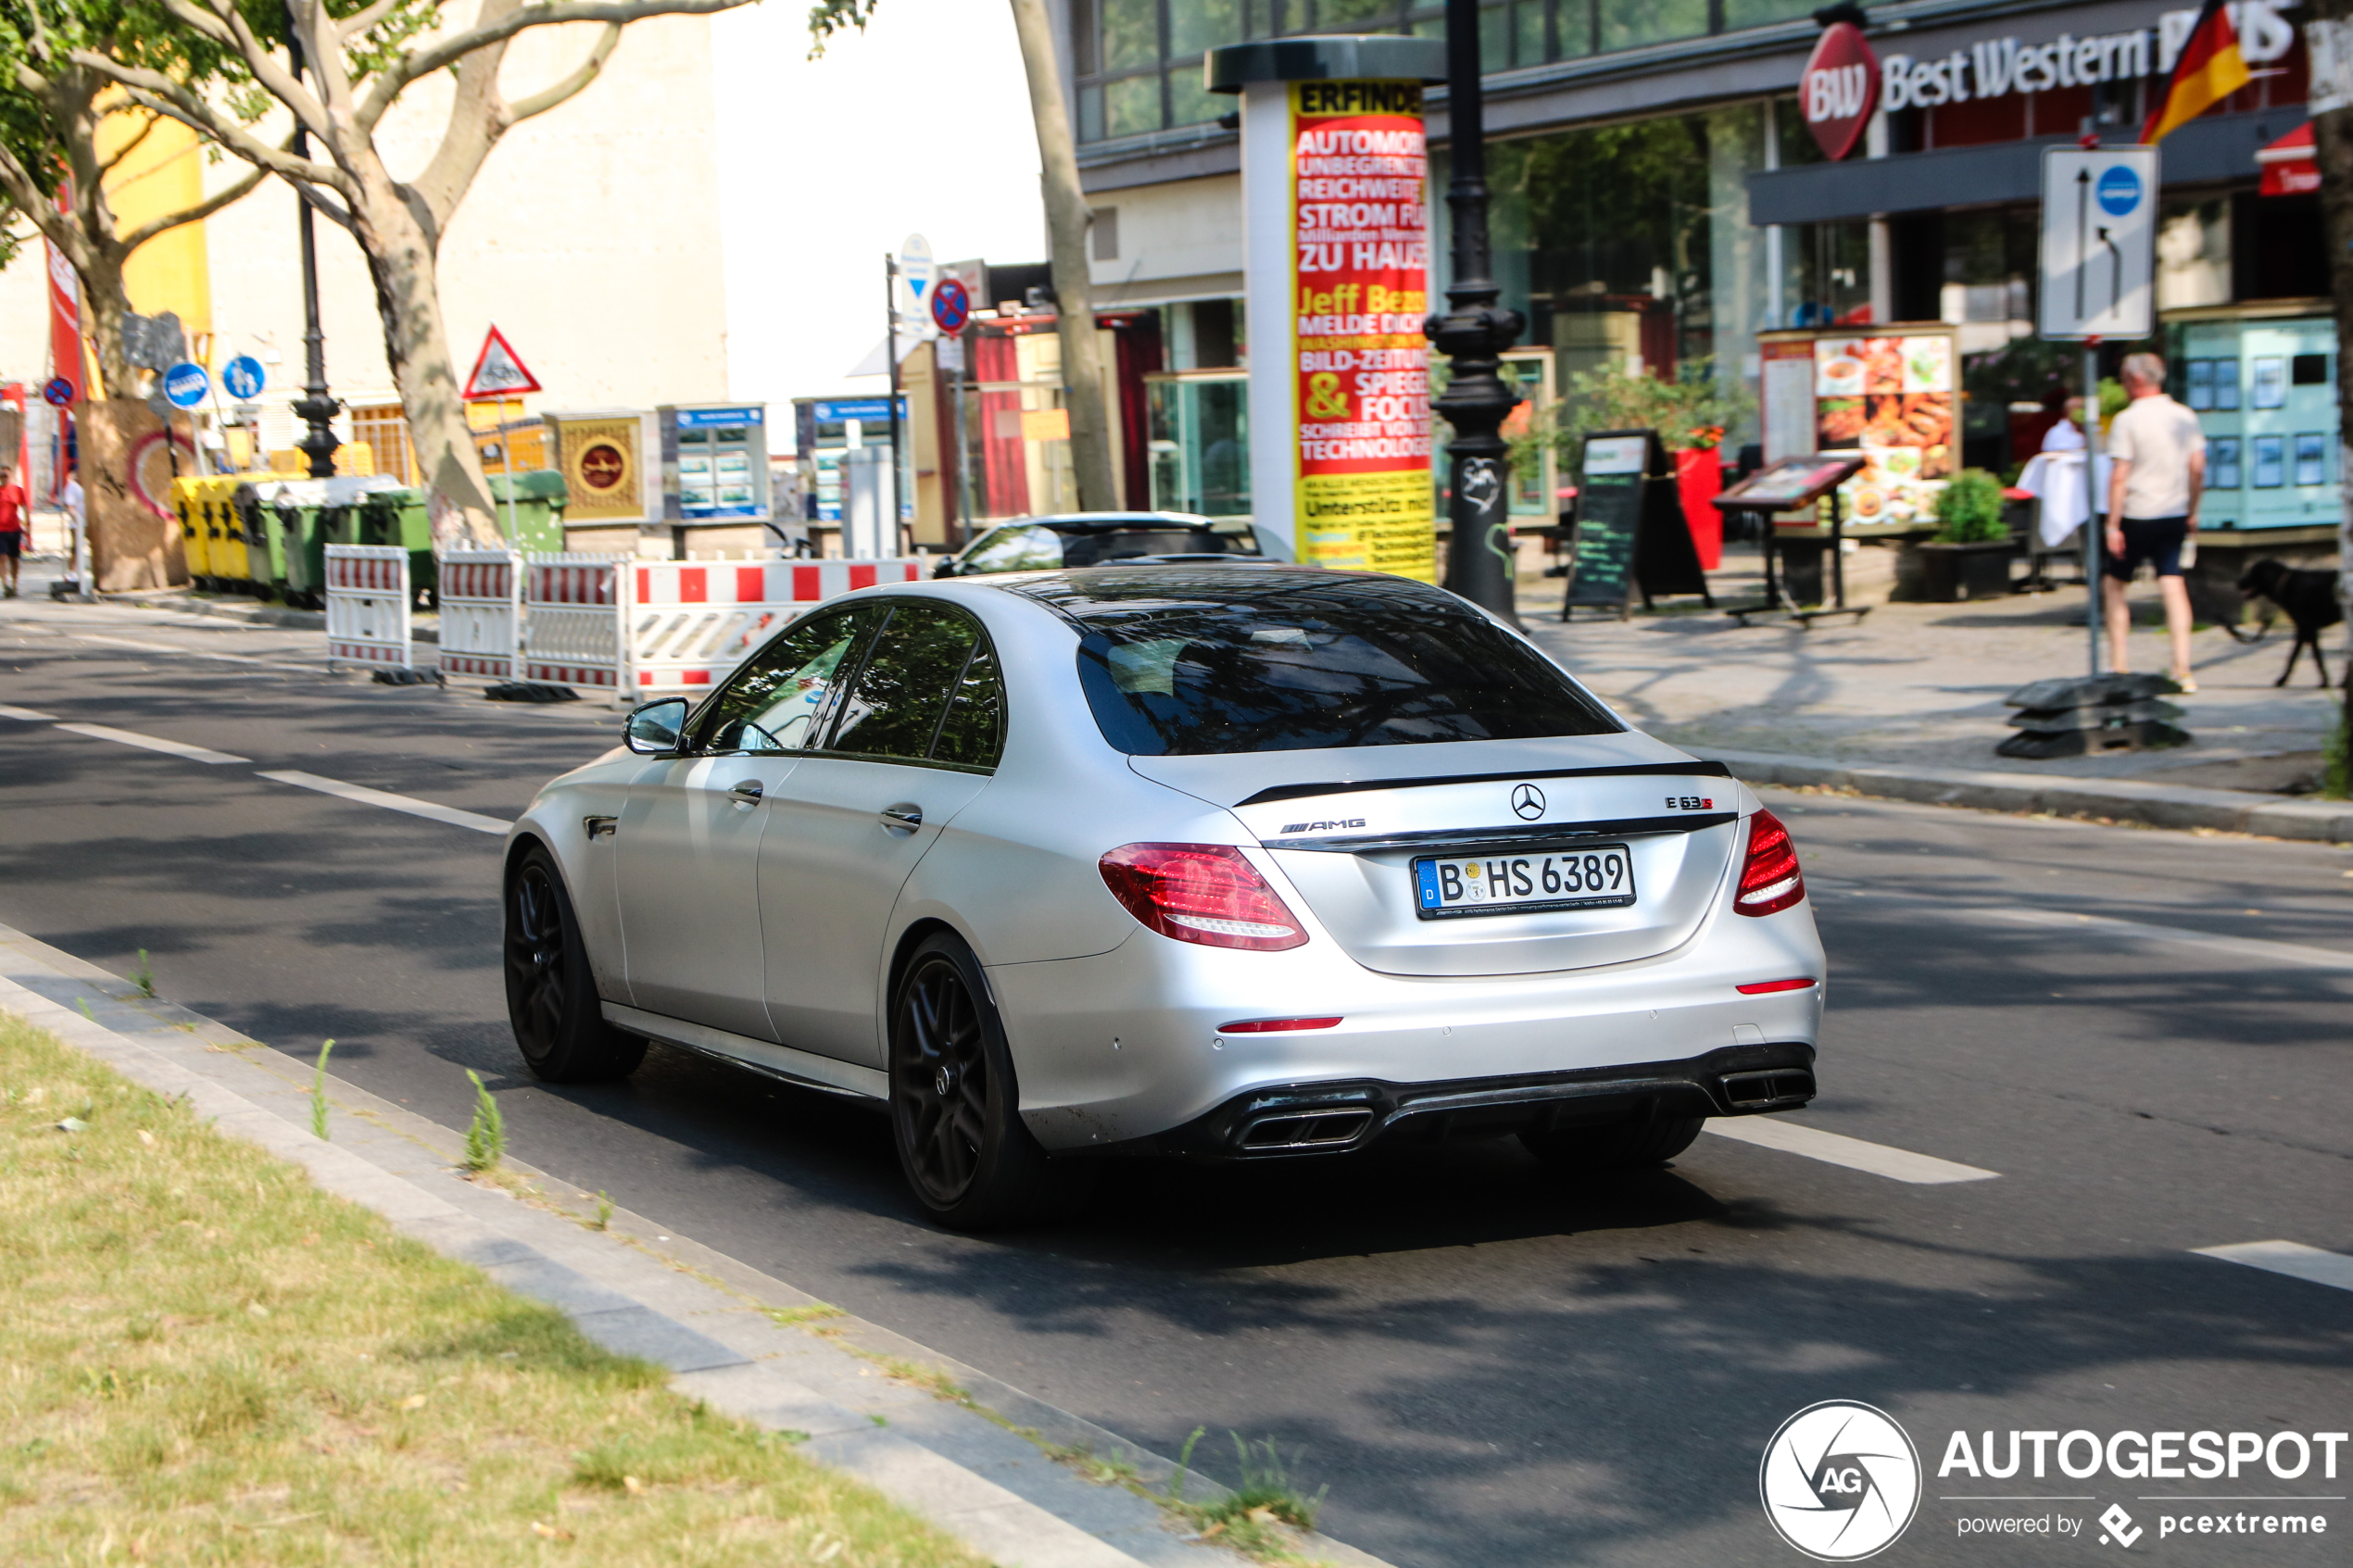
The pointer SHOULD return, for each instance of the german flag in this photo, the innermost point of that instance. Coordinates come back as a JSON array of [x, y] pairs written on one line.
[[2208, 70]]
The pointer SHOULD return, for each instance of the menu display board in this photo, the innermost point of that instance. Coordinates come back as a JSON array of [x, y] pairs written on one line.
[[1630, 535], [1890, 400]]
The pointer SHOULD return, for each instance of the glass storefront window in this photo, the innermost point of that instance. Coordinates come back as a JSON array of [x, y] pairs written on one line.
[[1140, 61], [1201, 444]]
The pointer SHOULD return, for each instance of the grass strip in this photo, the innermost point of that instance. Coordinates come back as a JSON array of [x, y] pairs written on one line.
[[206, 1359]]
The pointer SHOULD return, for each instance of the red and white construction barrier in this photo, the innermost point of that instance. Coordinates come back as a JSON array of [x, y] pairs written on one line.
[[692, 622], [480, 613], [575, 605], [368, 606]]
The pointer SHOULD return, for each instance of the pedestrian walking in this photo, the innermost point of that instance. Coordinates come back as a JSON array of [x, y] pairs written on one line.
[[77, 505], [2157, 474], [13, 518]]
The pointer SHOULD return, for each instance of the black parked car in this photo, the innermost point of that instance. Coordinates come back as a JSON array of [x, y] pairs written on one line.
[[1037, 544]]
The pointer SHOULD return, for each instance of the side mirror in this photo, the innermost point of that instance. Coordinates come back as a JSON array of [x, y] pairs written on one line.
[[654, 727]]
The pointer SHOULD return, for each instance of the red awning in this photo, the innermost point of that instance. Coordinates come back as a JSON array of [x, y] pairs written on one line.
[[2289, 169]]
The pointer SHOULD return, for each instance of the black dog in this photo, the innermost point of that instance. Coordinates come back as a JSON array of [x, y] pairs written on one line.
[[2309, 599]]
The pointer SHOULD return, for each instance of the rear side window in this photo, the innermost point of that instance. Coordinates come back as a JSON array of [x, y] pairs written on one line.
[[903, 690], [1185, 663], [973, 735]]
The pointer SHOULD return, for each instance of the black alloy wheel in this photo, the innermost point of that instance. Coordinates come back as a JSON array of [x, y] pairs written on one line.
[[954, 1109], [551, 994]]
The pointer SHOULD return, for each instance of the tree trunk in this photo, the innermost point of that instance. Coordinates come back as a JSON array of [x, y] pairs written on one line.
[[2333, 152], [1068, 222], [403, 264], [105, 302]]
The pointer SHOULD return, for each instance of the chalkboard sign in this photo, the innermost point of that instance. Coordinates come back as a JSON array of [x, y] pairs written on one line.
[[1630, 536]]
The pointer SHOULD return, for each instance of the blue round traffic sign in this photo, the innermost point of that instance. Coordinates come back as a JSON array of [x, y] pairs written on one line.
[[56, 391], [2119, 191], [951, 305], [186, 384], [242, 378]]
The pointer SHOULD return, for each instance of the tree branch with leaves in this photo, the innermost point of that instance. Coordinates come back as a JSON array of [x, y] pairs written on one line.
[[359, 56], [52, 104], [1068, 221]]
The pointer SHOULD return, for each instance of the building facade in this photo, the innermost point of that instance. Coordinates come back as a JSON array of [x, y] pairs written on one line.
[[1660, 199]]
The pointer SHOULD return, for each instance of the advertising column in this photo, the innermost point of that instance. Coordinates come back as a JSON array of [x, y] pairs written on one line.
[[1360, 228], [1335, 284]]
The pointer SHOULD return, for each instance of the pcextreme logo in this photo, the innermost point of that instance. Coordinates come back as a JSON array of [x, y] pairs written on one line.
[[1840, 1481]]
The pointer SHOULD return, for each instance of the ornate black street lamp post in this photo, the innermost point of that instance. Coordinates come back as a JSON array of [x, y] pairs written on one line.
[[316, 408], [1473, 331]]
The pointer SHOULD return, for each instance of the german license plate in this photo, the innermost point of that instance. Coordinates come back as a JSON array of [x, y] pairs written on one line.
[[1596, 876]]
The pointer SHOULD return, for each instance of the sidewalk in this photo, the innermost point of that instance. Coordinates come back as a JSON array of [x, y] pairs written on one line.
[[1908, 703], [981, 1460]]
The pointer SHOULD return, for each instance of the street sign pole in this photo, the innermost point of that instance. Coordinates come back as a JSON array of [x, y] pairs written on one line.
[[891, 353], [2098, 267], [2094, 521]]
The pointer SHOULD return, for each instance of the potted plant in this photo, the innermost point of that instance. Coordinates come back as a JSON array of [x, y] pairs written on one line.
[[1969, 557]]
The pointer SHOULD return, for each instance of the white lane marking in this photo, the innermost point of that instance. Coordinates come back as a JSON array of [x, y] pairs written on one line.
[[2108, 925], [27, 714], [153, 743], [2290, 1257], [391, 802], [191, 653], [2240, 947], [1837, 1149]]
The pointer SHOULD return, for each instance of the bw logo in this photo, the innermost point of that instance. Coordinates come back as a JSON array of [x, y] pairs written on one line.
[[1840, 1481], [2120, 1525]]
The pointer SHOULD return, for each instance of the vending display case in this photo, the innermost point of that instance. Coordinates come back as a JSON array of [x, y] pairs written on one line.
[[2262, 381], [714, 463]]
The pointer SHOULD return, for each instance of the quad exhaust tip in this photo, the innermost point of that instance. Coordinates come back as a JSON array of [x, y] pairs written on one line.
[[1774, 1088], [1327, 1129]]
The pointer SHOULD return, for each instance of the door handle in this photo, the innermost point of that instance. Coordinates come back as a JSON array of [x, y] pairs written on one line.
[[901, 818], [745, 792]]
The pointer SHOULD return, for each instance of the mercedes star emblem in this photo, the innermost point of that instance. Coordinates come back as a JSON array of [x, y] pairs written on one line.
[[1528, 801]]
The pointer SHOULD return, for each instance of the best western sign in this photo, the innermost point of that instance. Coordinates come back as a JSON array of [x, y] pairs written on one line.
[[1843, 75]]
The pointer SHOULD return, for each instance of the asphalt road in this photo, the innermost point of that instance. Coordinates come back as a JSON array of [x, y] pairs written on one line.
[[1484, 1366]]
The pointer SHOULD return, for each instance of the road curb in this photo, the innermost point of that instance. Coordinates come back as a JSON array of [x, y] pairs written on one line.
[[2164, 806], [978, 1469]]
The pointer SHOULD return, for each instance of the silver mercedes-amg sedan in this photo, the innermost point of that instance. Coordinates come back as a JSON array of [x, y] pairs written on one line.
[[1217, 862]]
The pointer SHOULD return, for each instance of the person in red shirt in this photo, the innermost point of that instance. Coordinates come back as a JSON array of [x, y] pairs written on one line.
[[12, 522]]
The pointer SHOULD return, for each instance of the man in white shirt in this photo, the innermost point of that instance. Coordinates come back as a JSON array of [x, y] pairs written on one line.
[[2158, 473]]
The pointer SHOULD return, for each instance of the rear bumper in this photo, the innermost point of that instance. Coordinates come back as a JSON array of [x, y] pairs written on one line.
[[1293, 1119]]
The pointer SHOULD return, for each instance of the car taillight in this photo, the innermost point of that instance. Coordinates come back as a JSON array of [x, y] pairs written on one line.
[[1277, 1025], [1205, 893], [1769, 879]]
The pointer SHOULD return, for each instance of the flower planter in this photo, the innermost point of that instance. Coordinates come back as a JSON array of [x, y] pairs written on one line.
[[1948, 573]]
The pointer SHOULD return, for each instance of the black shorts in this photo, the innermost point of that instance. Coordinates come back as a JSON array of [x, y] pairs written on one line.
[[2157, 539], [12, 543]]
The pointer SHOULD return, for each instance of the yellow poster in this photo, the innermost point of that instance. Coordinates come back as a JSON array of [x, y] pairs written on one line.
[[1360, 174]]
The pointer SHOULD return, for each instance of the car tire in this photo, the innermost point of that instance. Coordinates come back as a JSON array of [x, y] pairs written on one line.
[[955, 1115], [1627, 1147], [551, 993]]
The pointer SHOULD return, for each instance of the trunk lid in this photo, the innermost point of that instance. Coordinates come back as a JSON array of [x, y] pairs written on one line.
[[1347, 828]]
